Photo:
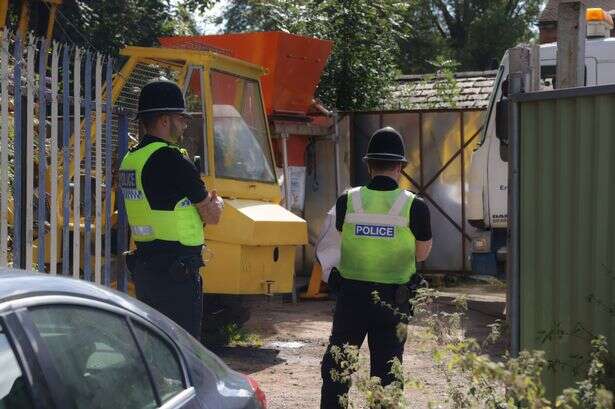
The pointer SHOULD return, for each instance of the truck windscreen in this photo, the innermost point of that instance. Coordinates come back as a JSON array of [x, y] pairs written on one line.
[[241, 143]]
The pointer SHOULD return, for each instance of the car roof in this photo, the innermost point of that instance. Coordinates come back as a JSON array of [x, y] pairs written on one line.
[[17, 284]]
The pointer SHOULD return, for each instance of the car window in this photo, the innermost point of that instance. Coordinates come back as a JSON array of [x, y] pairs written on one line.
[[96, 357], [13, 389], [164, 366]]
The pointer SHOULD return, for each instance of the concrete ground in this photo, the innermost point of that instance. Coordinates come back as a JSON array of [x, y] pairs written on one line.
[[295, 336]]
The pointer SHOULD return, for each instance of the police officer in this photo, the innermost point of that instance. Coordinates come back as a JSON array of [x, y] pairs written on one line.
[[385, 230], [167, 204]]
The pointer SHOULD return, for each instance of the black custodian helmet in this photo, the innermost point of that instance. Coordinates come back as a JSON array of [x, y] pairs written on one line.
[[386, 144], [161, 96]]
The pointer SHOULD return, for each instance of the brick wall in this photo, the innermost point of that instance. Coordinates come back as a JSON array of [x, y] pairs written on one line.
[[548, 33]]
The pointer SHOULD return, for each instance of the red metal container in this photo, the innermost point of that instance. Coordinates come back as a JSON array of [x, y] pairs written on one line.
[[294, 64]]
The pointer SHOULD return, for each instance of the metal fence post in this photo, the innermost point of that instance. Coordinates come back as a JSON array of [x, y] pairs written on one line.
[[98, 171], [87, 188], [4, 145], [65, 162], [122, 279], [77, 164], [108, 162], [18, 217], [29, 153], [42, 159], [518, 80], [53, 217]]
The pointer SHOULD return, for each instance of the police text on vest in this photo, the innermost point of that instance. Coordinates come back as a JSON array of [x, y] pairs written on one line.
[[365, 230]]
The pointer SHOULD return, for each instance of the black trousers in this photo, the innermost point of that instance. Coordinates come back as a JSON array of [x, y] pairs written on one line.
[[357, 316], [176, 292]]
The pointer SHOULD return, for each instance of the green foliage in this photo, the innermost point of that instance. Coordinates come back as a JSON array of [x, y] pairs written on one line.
[[364, 33], [233, 335], [362, 65], [347, 359], [375, 40], [108, 25], [590, 393], [182, 21], [373, 393], [198, 5], [274, 15], [445, 84], [472, 32], [240, 337], [474, 379]]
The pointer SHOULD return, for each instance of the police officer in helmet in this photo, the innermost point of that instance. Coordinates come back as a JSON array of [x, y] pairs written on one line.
[[167, 204], [385, 230]]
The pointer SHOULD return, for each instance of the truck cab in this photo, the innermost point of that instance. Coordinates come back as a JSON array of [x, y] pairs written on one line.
[[488, 181]]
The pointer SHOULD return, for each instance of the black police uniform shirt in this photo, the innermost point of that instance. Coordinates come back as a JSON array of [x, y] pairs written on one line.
[[167, 177], [420, 223]]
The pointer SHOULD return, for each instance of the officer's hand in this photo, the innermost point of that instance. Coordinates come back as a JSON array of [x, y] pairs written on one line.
[[217, 200], [215, 206], [335, 281], [210, 208]]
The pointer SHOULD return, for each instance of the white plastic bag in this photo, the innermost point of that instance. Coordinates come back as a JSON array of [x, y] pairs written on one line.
[[328, 246]]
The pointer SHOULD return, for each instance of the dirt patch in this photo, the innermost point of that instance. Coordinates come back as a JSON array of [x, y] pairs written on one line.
[[295, 336]]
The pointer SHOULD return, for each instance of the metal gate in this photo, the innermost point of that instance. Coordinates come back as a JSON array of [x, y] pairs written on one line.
[[60, 139], [439, 144]]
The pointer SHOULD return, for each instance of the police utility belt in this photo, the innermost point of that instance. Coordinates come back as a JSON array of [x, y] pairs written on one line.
[[402, 293], [178, 266]]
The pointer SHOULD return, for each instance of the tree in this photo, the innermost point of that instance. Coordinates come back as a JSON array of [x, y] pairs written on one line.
[[362, 64], [472, 32], [273, 15], [198, 5], [182, 21], [108, 25]]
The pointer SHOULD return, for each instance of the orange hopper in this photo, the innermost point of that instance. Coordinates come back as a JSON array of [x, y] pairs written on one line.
[[294, 64]]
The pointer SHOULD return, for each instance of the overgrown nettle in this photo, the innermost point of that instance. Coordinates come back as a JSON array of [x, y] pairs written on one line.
[[473, 378]]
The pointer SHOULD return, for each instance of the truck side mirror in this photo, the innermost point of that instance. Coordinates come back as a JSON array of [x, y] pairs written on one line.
[[501, 126]]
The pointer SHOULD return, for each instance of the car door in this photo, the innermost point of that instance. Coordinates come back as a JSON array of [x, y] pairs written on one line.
[[16, 391], [107, 358]]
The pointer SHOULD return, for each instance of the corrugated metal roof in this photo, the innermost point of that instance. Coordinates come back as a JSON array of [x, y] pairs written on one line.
[[549, 14], [423, 92]]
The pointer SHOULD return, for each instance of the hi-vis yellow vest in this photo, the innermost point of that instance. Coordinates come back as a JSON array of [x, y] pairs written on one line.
[[182, 224], [377, 243]]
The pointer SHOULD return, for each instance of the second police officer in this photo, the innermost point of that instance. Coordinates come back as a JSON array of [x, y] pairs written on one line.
[[167, 204], [385, 230]]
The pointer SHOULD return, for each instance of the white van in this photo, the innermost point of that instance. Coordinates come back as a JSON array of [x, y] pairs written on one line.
[[488, 183]]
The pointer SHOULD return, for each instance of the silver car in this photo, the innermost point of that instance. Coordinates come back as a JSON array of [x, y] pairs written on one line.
[[67, 343]]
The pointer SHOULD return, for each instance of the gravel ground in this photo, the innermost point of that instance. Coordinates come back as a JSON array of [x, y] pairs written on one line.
[[287, 365]]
